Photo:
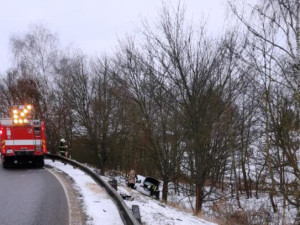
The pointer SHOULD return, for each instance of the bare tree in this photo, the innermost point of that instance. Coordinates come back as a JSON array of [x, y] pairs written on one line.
[[201, 72], [35, 55], [274, 40]]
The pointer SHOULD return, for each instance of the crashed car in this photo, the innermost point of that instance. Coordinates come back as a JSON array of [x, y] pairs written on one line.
[[148, 186]]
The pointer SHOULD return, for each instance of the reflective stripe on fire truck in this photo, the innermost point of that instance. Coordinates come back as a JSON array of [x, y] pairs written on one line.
[[2, 144], [44, 144], [23, 142]]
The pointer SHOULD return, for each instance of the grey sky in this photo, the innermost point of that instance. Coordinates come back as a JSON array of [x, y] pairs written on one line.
[[92, 25]]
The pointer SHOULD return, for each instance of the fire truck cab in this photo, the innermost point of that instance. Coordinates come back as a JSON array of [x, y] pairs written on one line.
[[22, 140]]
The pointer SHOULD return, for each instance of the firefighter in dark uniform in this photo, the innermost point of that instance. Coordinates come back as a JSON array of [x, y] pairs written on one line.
[[63, 148]]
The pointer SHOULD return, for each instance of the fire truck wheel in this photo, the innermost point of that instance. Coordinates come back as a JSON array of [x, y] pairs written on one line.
[[6, 164], [39, 162]]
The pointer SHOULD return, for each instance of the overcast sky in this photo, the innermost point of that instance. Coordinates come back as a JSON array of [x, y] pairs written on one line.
[[93, 25]]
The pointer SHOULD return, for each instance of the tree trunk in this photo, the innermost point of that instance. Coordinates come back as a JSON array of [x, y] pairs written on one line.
[[165, 190], [236, 181], [103, 157], [245, 178], [272, 191], [199, 199], [243, 161], [298, 91]]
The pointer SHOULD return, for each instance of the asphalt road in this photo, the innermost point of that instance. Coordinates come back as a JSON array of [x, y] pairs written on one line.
[[30, 196]]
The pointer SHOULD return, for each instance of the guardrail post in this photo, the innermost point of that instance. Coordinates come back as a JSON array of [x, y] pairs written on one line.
[[136, 212], [114, 184]]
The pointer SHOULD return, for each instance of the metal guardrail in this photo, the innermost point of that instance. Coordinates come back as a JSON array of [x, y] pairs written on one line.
[[125, 213]]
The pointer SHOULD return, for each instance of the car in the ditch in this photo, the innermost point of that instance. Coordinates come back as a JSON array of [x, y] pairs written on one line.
[[148, 186]]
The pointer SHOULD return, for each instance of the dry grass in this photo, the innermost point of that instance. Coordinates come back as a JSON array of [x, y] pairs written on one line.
[[228, 215], [199, 215], [209, 218], [179, 207]]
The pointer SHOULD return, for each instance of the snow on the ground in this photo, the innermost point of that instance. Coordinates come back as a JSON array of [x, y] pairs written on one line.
[[98, 205], [155, 212], [102, 211]]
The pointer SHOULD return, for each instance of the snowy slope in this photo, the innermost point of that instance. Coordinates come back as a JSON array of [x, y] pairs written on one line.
[[154, 212], [100, 207]]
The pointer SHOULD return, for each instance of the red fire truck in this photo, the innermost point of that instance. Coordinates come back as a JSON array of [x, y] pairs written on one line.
[[22, 138]]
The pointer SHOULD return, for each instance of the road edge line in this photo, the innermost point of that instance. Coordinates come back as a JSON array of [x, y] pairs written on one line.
[[66, 193]]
